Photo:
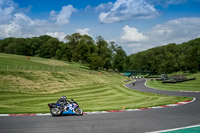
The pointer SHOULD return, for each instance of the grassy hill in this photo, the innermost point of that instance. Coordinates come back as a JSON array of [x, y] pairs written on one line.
[[27, 86]]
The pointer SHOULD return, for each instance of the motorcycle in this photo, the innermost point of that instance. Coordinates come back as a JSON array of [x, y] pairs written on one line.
[[71, 108]]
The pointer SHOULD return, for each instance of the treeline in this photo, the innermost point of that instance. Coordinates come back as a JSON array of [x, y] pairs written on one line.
[[83, 49], [100, 54], [167, 59]]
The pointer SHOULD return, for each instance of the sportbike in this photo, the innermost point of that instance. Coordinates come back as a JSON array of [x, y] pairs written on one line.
[[71, 108]]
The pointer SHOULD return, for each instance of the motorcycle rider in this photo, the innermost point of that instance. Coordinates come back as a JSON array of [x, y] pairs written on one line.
[[63, 101]]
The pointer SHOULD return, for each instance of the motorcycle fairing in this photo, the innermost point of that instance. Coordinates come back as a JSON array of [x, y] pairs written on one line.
[[68, 112]]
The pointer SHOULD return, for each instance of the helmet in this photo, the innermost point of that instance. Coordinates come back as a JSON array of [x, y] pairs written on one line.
[[64, 97]]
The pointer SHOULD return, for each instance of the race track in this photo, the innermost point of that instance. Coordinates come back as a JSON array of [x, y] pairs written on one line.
[[118, 122]]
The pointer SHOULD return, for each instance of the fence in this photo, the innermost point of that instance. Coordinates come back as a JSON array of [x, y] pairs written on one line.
[[43, 68]]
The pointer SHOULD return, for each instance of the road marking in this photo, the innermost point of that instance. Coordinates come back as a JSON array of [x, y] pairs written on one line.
[[43, 114], [4, 114], [174, 129]]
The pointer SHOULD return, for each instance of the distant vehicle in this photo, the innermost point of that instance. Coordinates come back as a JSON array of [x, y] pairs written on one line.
[[164, 77], [71, 108]]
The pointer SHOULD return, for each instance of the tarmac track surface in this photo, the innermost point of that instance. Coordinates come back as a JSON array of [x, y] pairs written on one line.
[[117, 122]]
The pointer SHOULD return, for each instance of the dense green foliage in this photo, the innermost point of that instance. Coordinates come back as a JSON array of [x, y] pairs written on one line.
[[78, 48], [169, 58], [100, 54]]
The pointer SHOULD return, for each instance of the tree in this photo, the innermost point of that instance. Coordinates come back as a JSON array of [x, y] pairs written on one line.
[[44, 38], [83, 53], [85, 39], [21, 46], [119, 59], [5, 42], [58, 54], [11, 48], [36, 42], [49, 48], [73, 41], [95, 61], [66, 52], [102, 45], [104, 52], [169, 58]]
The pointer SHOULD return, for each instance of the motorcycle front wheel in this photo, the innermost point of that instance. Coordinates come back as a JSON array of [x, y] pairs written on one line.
[[79, 111], [55, 111]]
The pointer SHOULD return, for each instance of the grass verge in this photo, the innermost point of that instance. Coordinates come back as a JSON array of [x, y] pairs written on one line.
[[193, 85]]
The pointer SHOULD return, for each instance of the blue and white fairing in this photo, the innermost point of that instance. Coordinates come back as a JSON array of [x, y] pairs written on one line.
[[71, 107], [68, 112]]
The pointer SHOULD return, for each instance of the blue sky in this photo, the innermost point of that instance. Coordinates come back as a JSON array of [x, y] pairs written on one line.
[[136, 25]]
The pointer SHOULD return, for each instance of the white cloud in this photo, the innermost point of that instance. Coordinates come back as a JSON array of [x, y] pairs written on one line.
[[53, 15], [15, 23], [132, 40], [30, 27], [84, 31], [174, 31], [64, 15], [128, 9], [7, 8], [60, 35], [134, 45], [104, 7], [166, 3], [10, 30], [131, 34], [23, 26]]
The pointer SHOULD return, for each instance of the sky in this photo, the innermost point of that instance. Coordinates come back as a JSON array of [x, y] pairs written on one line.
[[136, 25]]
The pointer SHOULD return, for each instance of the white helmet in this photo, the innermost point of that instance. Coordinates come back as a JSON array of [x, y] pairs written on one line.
[[64, 97]]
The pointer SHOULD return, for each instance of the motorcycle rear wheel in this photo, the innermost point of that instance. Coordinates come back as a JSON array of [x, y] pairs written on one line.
[[55, 112]]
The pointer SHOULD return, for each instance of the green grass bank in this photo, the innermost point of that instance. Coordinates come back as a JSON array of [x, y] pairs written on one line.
[[27, 86], [193, 85]]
